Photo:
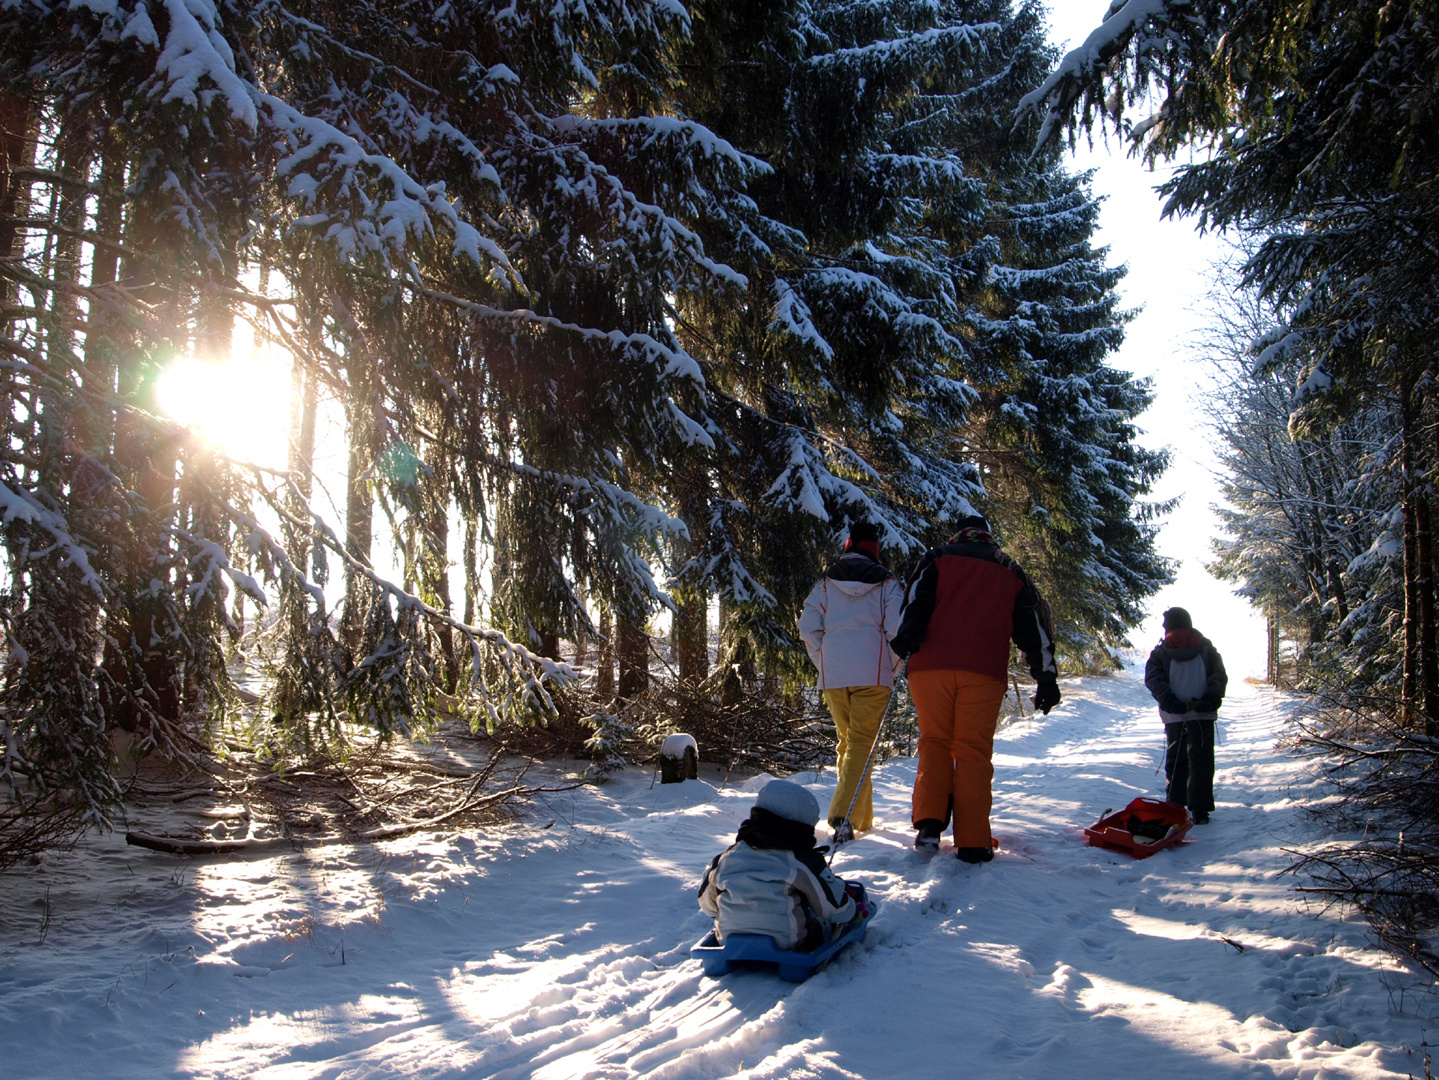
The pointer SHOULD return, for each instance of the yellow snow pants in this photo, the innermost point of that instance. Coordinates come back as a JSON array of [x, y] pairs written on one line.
[[958, 712], [857, 711]]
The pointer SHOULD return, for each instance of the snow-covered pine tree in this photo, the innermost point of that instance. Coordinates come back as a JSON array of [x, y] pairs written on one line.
[[556, 392], [924, 287], [1055, 430], [394, 174], [616, 203], [1315, 524], [827, 378]]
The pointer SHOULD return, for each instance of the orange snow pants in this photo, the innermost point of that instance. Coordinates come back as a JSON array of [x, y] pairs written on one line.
[[857, 711], [958, 712]]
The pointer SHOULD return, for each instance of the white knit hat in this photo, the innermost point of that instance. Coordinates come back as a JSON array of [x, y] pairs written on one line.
[[790, 801]]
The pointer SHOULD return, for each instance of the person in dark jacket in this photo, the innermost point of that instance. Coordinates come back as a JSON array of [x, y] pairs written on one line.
[[1185, 673], [965, 602]]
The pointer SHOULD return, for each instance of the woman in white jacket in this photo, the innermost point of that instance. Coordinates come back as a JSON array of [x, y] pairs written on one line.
[[847, 622]]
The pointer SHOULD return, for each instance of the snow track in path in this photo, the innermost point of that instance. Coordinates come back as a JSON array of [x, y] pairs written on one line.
[[561, 953]]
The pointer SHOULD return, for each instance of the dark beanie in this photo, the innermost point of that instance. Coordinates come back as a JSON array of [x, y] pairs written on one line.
[[863, 538], [973, 521], [864, 531], [1176, 618]]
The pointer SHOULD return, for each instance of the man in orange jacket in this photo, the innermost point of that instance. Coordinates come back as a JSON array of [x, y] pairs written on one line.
[[966, 601]]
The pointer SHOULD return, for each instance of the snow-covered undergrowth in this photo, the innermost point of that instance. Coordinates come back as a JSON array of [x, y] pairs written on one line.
[[559, 948]]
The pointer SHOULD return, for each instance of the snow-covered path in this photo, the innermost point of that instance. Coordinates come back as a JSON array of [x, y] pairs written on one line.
[[559, 949]]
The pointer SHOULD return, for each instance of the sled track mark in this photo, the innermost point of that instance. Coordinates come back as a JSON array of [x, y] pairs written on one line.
[[646, 1026]]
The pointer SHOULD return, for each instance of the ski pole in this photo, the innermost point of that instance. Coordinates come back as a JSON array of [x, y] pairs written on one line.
[[904, 673]]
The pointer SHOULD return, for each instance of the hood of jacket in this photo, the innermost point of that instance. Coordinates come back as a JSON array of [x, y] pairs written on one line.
[[768, 831], [857, 569]]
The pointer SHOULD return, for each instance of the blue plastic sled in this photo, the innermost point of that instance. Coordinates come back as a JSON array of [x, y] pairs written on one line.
[[760, 949]]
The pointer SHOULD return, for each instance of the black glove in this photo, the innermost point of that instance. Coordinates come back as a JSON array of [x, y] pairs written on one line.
[[901, 649], [1046, 694], [1208, 703], [1171, 704]]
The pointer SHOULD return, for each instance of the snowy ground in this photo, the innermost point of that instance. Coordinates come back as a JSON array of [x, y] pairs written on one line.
[[559, 948]]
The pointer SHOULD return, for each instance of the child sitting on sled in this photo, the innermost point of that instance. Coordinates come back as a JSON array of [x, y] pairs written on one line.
[[773, 881]]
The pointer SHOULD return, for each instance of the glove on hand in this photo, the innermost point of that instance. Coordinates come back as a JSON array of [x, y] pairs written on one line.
[[1046, 694], [855, 891], [1171, 704], [1208, 703]]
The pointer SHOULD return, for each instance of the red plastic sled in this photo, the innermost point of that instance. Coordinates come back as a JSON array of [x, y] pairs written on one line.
[[1116, 830]]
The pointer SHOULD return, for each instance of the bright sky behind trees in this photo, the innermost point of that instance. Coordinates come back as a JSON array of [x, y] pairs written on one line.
[[1170, 271]]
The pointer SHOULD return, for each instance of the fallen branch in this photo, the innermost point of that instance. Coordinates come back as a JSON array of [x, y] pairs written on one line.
[[389, 832], [207, 847]]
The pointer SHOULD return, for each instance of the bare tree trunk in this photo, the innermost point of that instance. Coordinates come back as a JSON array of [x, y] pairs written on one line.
[[304, 400], [582, 643], [359, 504], [1424, 586], [1410, 686], [605, 678], [101, 331], [1334, 559], [359, 501], [17, 151], [1341, 602], [634, 657], [68, 204], [692, 639], [299, 537], [1272, 625], [732, 686], [436, 564], [472, 569], [148, 460], [503, 569], [295, 698], [216, 326], [691, 625]]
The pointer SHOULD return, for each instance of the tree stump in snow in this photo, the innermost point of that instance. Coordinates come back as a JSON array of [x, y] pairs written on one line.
[[679, 759]]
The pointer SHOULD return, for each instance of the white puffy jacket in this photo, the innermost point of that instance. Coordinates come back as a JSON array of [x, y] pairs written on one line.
[[751, 890], [847, 623]]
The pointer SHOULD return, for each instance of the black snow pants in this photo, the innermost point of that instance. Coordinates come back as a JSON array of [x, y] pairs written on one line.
[[1189, 764]]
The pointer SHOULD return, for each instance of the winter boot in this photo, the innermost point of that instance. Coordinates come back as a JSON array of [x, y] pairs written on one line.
[[974, 854], [926, 839], [1201, 817], [843, 831]]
